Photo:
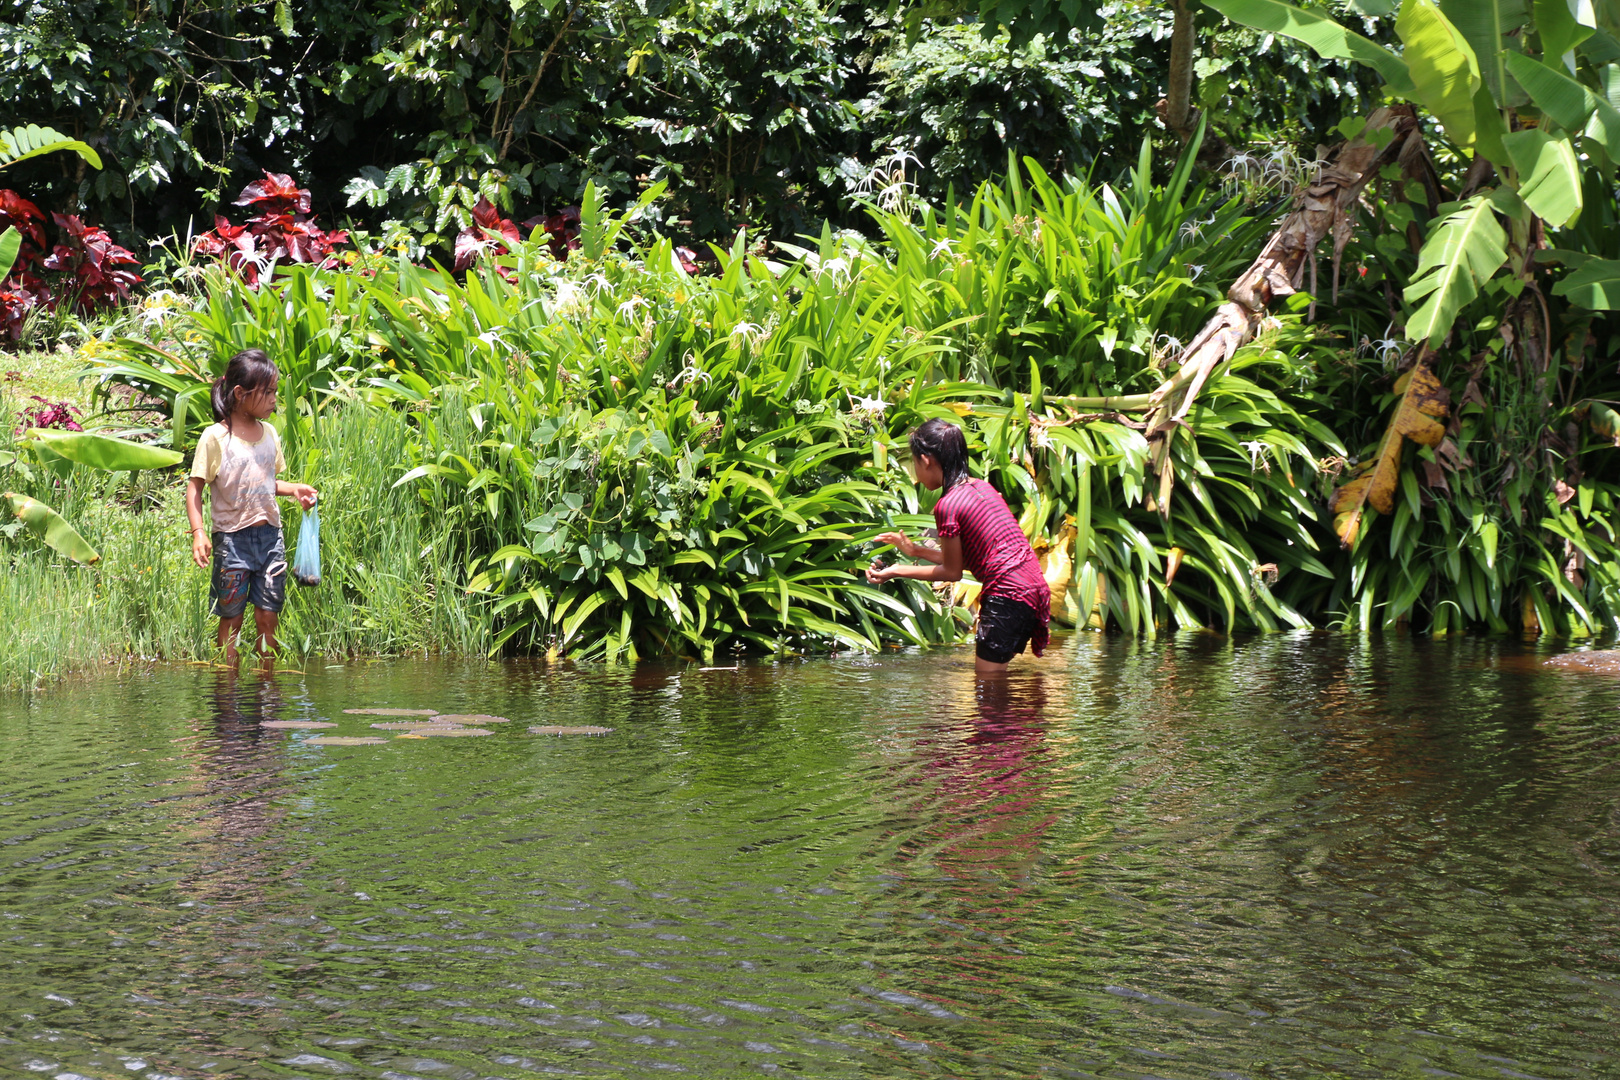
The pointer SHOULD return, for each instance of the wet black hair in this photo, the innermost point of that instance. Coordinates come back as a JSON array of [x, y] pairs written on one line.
[[248, 371], [944, 442]]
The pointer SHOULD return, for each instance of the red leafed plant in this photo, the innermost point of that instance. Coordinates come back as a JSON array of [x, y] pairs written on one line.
[[486, 220], [86, 269], [50, 414], [92, 264], [562, 229], [282, 230]]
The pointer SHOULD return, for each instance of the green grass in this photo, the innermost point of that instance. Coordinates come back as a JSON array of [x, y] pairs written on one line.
[[145, 601]]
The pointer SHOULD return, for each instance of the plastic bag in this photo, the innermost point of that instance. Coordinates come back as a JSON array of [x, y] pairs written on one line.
[[306, 568]]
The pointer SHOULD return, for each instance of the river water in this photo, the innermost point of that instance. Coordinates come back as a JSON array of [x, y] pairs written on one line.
[[1286, 856]]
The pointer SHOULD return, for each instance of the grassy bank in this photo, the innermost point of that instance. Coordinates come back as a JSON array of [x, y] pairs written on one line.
[[145, 600]]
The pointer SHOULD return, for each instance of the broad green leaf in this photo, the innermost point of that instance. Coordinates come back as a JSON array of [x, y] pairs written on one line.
[[1442, 65], [105, 452], [1549, 174], [1330, 40], [1493, 29], [1596, 285], [1461, 253], [51, 527], [1567, 103], [10, 244], [1560, 31]]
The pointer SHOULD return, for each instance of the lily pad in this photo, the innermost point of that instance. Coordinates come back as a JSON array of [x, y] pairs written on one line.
[[295, 724], [410, 725], [392, 712], [470, 718], [569, 730], [447, 731], [345, 740]]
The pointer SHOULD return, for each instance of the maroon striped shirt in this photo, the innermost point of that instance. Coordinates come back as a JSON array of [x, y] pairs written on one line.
[[994, 548]]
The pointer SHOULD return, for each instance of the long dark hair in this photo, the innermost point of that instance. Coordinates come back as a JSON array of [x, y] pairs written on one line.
[[945, 443], [248, 371]]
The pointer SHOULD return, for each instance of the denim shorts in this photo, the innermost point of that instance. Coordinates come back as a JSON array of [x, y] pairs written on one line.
[[250, 567], [1005, 627]]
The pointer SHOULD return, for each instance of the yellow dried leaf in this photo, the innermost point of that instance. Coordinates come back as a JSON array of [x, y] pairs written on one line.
[[1420, 416]]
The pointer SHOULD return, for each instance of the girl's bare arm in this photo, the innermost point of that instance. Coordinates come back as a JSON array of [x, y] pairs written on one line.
[[947, 568]]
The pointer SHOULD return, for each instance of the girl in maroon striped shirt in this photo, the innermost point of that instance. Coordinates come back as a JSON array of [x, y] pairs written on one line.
[[977, 532]]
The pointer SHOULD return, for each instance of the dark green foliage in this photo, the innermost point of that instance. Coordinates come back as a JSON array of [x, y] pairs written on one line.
[[764, 113]]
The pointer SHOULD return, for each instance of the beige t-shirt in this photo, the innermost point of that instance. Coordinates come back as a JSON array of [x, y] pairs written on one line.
[[241, 477]]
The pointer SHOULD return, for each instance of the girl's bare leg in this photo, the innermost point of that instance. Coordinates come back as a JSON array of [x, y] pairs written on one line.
[[228, 630], [266, 622], [988, 669]]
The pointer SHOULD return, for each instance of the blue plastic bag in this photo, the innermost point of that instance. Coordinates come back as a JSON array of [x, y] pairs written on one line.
[[306, 568]]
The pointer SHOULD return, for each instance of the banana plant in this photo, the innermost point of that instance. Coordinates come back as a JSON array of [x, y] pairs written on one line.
[[59, 452]]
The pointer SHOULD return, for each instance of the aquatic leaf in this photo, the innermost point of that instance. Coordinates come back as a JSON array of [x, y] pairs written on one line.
[[51, 527], [295, 724], [469, 718], [586, 730], [104, 451], [448, 731], [344, 740], [407, 725], [392, 712], [1419, 416]]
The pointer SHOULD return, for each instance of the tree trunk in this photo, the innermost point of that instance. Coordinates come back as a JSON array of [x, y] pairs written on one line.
[[1322, 208], [1178, 94]]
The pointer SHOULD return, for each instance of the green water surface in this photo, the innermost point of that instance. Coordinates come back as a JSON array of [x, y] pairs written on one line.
[[1290, 856]]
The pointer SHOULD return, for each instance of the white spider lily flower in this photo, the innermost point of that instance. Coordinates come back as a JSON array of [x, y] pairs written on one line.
[[1256, 451], [571, 299], [627, 310], [1270, 322], [871, 406], [941, 247], [1191, 230], [749, 333], [1195, 270]]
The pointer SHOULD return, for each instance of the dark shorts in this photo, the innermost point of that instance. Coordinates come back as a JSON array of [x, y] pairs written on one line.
[[250, 567], [1005, 627]]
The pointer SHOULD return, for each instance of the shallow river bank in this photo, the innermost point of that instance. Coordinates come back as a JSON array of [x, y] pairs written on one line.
[[1290, 856]]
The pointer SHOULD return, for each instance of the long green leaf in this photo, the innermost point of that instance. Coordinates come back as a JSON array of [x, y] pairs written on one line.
[[51, 527], [1459, 256], [1492, 29], [1328, 38], [10, 245], [1443, 67], [105, 452], [1596, 285], [1571, 106]]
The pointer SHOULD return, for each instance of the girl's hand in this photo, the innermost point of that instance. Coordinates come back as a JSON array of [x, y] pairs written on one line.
[[202, 548], [877, 575], [305, 495], [898, 539]]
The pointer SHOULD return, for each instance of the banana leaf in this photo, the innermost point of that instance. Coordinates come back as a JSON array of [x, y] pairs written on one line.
[[51, 527], [105, 452]]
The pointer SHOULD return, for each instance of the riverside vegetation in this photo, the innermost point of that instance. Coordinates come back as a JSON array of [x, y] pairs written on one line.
[[605, 456]]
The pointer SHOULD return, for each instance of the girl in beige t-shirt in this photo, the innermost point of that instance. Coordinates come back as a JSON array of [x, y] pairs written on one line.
[[238, 459]]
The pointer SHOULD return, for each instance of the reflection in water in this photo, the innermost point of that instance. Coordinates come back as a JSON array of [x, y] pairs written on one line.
[[1291, 856]]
